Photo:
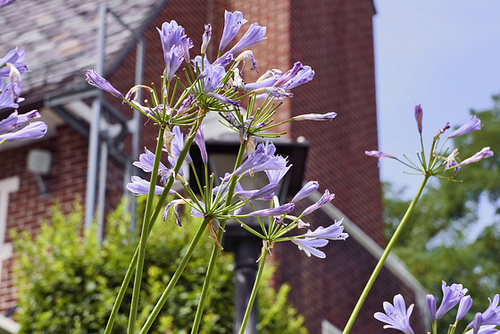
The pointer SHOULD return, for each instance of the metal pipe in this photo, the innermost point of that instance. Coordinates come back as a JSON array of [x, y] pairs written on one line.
[[101, 195], [94, 127]]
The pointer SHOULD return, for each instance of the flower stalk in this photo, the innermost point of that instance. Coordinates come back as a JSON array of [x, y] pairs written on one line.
[[383, 258]]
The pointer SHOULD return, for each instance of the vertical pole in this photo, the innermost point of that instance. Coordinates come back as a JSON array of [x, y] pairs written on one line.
[[101, 196], [136, 132], [246, 253], [94, 127]]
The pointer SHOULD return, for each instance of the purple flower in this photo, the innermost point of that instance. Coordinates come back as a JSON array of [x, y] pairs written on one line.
[[277, 211], [223, 99], [232, 24], [5, 2], [275, 175], [490, 317], [96, 80], [175, 204], [224, 60], [443, 129], [15, 80], [471, 125], [431, 306], [484, 153], [212, 77], [139, 186], [33, 130], [261, 159], [309, 246], [173, 60], [177, 146], [244, 56], [451, 296], [316, 117], [289, 74], [396, 316], [332, 232], [146, 161], [264, 193], [379, 155], [10, 127], [16, 58], [419, 114], [207, 36], [307, 189], [6, 96], [464, 307], [304, 75], [253, 35], [199, 139], [327, 197], [171, 35]]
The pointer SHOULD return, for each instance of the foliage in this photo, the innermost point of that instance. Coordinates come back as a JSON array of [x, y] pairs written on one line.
[[67, 283], [440, 241]]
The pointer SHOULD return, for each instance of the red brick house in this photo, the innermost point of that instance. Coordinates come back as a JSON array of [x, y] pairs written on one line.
[[334, 37]]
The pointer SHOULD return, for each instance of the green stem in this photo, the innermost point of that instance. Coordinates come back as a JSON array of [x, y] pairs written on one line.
[[215, 248], [173, 281], [253, 295], [144, 235], [159, 205], [381, 262]]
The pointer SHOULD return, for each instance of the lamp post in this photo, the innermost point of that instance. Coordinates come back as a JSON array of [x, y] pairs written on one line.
[[222, 153]]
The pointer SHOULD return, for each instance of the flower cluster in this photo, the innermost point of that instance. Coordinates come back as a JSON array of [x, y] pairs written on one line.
[[440, 159], [397, 317], [11, 128]]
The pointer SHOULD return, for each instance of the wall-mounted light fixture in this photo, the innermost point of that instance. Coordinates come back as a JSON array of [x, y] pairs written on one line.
[[39, 163]]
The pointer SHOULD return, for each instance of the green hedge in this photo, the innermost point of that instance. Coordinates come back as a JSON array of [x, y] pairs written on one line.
[[67, 283]]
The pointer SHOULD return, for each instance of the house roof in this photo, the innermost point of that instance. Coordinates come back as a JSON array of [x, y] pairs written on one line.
[[60, 37]]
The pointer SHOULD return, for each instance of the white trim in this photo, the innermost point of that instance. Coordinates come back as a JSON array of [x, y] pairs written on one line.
[[8, 325], [328, 328]]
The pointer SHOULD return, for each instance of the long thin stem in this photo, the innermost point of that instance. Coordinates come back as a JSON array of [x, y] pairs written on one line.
[[154, 216], [381, 262], [255, 288], [215, 248], [144, 235], [173, 281]]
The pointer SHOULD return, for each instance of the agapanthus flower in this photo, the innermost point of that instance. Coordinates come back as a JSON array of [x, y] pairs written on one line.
[[244, 56], [275, 175], [379, 155], [490, 317], [443, 129], [96, 80], [451, 297], [277, 211], [396, 316], [5, 2], [212, 77], [232, 24], [332, 232], [6, 96], [430, 300], [463, 307], [327, 197], [472, 124], [316, 117], [146, 161], [16, 58], [15, 80], [419, 114], [265, 193], [483, 154], [10, 127], [310, 246], [177, 145], [261, 159], [207, 36], [199, 139], [139, 186], [305, 191], [224, 99], [174, 204], [253, 35], [175, 46], [224, 60]]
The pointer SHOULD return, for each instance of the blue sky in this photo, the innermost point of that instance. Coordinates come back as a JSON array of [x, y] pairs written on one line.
[[443, 54]]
